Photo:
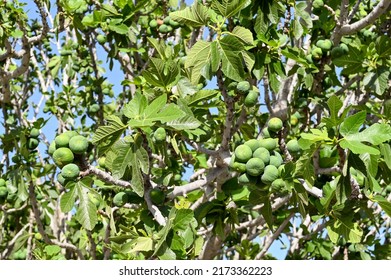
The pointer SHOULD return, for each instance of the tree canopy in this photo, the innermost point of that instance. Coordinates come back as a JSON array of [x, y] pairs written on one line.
[[164, 129]]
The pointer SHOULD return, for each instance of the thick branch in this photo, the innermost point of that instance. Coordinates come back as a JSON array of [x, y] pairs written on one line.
[[380, 9]]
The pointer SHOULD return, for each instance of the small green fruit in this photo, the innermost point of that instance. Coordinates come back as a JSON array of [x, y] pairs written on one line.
[[78, 144], [16, 159], [325, 45], [93, 108], [66, 52], [159, 135], [163, 28], [70, 171], [243, 153], [32, 143], [34, 133], [120, 199], [317, 4], [153, 23], [269, 175], [255, 166], [52, 148], [101, 39], [70, 133], [246, 179], [251, 99], [317, 53], [61, 179], [276, 160], [265, 133], [293, 146], [63, 156], [38, 236], [263, 154], [278, 185], [157, 196], [102, 162], [243, 86], [338, 51], [2, 182], [62, 140], [174, 23], [269, 143], [3, 191], [166, 20], [238, 166], [253, 144], [274, 124], [294, 120]]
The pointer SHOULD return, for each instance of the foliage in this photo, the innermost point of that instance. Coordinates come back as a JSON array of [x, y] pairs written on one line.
[[205, 130]]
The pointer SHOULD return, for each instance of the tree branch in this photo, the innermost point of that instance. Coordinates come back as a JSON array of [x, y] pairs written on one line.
[[311, 190], [270, 239], [41, 229], [229, 104], [183, 190], [105, 177], [380, 9]]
